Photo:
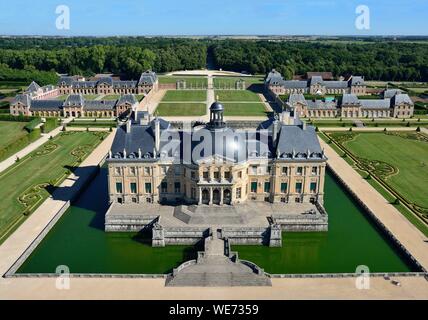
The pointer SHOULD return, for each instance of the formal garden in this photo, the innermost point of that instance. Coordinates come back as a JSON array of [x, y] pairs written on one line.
[[27, 183]]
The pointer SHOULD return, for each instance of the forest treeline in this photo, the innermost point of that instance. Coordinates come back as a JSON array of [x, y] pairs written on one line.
[[129, 56]]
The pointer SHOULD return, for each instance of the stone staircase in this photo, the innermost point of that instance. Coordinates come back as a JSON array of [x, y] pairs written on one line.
[[214, 269]]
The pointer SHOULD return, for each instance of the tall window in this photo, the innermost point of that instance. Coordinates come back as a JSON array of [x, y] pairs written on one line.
[[254, 170], [267, 186], [133, 187], [146, 170], [177, 187], [177, 171], [285, 170], [148, 187], [299, 171], [239, 174], [254, 186], [284, 187], [238, 193], [227, 175], [313, 187], [117, 170], [205, 175], [164, 187], [314, 170], [193, 193], [118, 187], [132, 171], [216, 175], [298, 187], [193, 175]]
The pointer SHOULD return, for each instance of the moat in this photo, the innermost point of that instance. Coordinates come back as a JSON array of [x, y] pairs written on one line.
[[78, 241]]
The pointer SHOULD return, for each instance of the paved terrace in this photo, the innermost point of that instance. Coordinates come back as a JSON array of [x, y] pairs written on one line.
[[249, 214]]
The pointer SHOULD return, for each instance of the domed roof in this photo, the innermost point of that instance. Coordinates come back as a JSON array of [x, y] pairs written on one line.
[[216, 106]]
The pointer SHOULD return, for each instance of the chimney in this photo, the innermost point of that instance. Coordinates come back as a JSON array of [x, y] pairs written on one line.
[[157, 134], [286, 117], [275, 132]]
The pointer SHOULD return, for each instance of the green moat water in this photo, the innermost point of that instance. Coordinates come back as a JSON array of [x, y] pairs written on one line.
[[79, 242]]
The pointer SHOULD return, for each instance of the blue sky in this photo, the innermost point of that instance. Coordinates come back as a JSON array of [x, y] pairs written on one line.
[[202, 17]]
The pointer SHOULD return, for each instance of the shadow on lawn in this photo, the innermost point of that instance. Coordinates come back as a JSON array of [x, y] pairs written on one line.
[[91, 195]]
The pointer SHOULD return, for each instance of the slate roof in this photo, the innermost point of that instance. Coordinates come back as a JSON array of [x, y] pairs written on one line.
[[320, 104], [375, 104], [124, 83], [324, 75], [226, 143], [48, 105], [389, 93], [67, 80], [316, 80], [297, 97], [148, 77], [336, 84], [127, 98], [74, 100], [84, 84], [357, 81], [93, 105], [22, 98], [274, 77], [401, 98], [295, 140], [295, 84], [33, 87], [350, 99]]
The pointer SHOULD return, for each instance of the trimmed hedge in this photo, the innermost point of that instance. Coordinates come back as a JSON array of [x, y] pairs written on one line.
[[33, 124], [18, 144], [50, 124], [92, 124]]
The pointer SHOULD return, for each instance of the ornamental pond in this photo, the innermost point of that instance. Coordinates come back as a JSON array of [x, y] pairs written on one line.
[[79, 242]]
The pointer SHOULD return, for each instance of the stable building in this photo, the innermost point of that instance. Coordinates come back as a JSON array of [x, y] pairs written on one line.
[[315, 85], [74, 106], [107, 85]]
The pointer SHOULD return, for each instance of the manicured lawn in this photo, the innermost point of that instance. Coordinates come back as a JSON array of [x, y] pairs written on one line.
[[244, 109], [236, 95], [185, 95], [139, 97], [229, 82], [181, 109], [10, 131], [111, 97], [30, 181], [190, 81], [408, 156]]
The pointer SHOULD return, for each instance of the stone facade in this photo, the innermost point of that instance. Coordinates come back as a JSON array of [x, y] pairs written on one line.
[[276, 84], [76, 85], [398, 105], [73, 106], [288, 171]]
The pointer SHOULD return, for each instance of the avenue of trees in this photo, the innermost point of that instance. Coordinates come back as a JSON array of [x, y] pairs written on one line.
[[41, 58]]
